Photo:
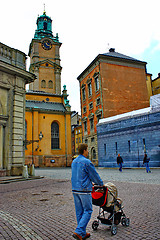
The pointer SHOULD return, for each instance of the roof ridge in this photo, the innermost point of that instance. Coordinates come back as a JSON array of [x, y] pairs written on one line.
[[43, 101]]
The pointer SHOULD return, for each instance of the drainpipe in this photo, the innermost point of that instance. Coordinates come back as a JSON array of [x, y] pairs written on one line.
[[66, 140], [32, 136], [101, 88]]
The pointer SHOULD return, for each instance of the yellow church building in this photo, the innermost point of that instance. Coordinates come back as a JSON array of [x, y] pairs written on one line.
[[48, 113]]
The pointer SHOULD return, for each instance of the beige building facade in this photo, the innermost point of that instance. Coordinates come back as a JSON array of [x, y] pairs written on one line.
[[13, 77]]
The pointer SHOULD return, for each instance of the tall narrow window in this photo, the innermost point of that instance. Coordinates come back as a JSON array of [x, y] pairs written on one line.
[[89, 89], [83, 93], [116, 147], [93, 152], [129, 146], [43, 84], [54, 135], [85, 126], [105, 150], [50, 84], [45, 26], [98, 117], [144, 144], [97, 83], [91, 124]]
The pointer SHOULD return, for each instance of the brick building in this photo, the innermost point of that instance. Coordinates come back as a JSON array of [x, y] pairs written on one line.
[[112, 84], [131, 134]]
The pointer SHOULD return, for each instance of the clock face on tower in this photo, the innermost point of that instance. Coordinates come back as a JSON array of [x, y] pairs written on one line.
[[47, 45]]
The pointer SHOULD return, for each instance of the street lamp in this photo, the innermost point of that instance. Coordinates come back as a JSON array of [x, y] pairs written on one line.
[[40, 136]]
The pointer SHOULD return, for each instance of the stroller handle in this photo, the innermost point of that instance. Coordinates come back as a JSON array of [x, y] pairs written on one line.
[[99, 187]]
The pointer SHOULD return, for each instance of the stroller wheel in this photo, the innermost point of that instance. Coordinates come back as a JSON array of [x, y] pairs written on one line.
[[95, 225], [113, 230], [125, 221]]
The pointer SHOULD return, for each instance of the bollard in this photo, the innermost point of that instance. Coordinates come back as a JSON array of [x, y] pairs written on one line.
[[25, 172], [32, 170]]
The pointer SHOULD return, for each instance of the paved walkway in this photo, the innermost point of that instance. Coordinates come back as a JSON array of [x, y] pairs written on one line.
[[43, 209], [107, 174]]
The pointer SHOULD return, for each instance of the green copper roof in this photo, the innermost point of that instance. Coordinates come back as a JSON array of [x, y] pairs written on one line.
[[45, 106], [44, 28]]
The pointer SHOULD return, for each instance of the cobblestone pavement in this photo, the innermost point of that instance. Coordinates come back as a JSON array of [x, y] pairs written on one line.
[[107, 174], [43, 209]]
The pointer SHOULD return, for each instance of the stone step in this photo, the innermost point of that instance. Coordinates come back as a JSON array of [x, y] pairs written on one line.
[[2, 172]]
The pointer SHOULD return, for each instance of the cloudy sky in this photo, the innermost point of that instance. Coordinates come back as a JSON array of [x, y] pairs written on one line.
[[87, 28]]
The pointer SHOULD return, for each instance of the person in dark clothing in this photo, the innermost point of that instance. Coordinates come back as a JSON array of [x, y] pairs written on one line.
[[119, 162], [146, 162]]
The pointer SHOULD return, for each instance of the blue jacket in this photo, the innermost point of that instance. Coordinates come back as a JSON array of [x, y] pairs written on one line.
[[83, 174]]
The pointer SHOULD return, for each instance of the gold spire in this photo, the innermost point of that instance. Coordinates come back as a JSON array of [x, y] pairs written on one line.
[[44, 12]]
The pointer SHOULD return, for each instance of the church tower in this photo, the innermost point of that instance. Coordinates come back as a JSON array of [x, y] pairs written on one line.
[[45, 58], [48, 113]]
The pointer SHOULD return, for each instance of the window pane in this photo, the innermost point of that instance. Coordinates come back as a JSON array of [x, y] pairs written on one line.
[[50, 84], [97, 83], [54, 136], [83, 94], [43, 84]]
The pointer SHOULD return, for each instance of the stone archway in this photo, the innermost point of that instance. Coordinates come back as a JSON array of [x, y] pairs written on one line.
[[93, 154]]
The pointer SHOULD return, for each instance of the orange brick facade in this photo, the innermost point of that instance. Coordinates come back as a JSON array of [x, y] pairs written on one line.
[[123, 89], [110, 85]]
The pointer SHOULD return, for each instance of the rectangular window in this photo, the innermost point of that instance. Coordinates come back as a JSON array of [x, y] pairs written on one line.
[[116, 147], [89, 89], [92, 139], [98, 101], [83, 94], [105, 150], [129, 146], [90, 106], [84, 110], [91, 124], [85, 126], [144, 144], [98, 117], [54, 135], [97, 83]]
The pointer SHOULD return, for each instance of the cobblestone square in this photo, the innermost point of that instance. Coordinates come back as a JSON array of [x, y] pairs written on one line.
[[43, 208]]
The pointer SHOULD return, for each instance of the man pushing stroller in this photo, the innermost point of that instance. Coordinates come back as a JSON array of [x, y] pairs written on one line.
[[83, 174]]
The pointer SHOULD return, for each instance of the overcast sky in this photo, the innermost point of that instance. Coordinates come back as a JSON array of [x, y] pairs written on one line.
[[87, 28]]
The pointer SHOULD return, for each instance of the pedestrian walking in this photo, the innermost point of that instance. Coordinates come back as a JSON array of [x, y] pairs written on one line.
[[119, 162], [84, 175], [146, 162]]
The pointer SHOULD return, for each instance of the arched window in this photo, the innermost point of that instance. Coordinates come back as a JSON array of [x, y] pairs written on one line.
[[93, 154], [43, 84], [54, 135], [50, 84]]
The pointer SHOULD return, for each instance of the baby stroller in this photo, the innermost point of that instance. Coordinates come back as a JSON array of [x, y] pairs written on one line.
[[110, 207]]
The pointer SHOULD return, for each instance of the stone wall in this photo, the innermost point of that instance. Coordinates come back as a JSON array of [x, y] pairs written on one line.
[[131, 136], [13, 78], [49, 161]]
